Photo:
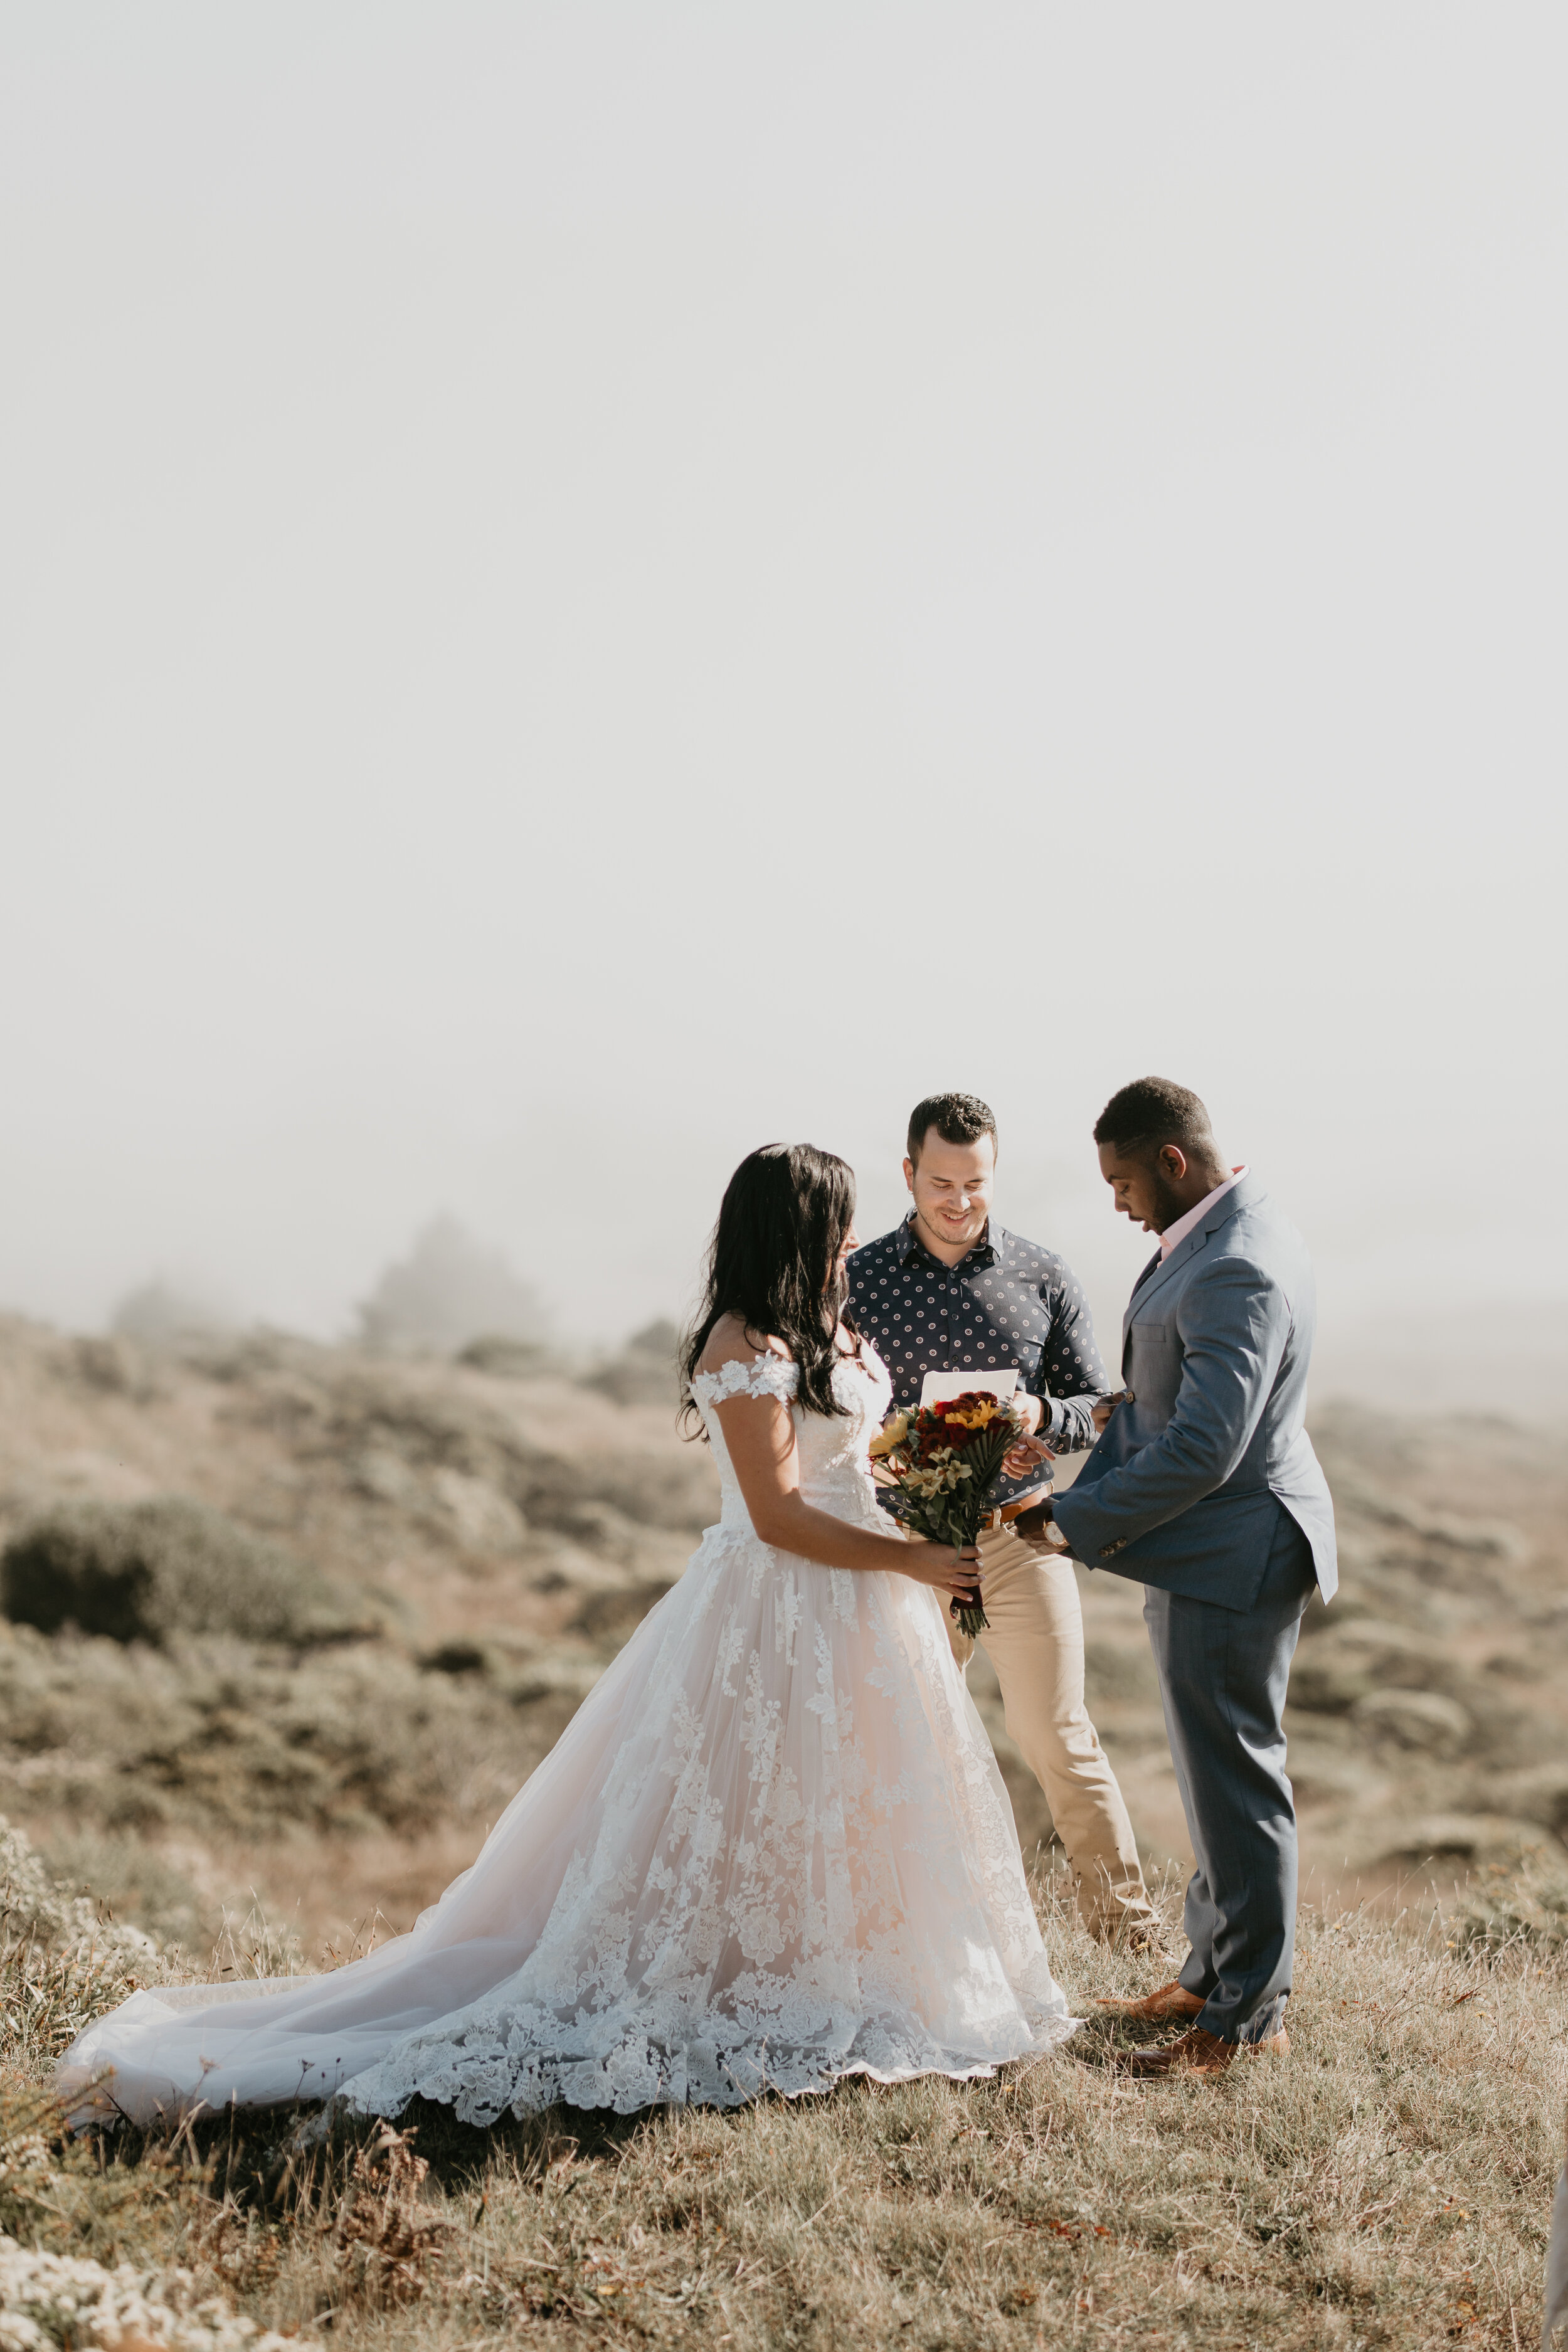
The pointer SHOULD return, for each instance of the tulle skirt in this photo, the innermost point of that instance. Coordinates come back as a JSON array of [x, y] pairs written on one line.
[[771, 1849]]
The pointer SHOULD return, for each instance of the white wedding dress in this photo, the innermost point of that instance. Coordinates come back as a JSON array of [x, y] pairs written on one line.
[[771, 1849]]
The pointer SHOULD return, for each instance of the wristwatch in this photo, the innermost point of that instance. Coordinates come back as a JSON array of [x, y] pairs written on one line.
[[1049, 1532]]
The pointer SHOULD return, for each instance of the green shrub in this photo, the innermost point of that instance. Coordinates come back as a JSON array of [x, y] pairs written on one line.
[[143, 1572]]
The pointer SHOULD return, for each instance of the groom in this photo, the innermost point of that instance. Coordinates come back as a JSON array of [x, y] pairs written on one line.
[[949, 1288], [1206, 1490]]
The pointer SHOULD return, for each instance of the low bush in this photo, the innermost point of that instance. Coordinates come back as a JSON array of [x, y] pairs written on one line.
[[60, 1961], [143, 1572], [1522, 1910], [645, 1372]]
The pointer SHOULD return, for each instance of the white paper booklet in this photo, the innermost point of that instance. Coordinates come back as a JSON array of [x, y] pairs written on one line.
[[940, 1387]]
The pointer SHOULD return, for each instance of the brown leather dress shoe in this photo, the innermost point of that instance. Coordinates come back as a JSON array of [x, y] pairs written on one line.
[[1199, 2052], [1172, 2000]]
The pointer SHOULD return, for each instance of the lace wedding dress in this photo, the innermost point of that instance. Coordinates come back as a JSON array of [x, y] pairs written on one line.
[[771, 1849]]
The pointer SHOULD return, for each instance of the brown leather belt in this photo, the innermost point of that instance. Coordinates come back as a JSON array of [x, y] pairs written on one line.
[[1009, 1511]]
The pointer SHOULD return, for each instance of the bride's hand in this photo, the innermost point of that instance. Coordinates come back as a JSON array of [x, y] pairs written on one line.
[[938, 1566]]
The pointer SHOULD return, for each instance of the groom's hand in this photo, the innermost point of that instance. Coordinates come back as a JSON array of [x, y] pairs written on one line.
[[1037, 1528], [1106, 1406]]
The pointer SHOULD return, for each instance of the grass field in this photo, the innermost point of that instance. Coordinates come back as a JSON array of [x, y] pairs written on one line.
[[327, 1610], [1388, 2184]]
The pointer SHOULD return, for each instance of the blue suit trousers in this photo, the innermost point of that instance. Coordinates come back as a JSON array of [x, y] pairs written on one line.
[[1223, 1673]]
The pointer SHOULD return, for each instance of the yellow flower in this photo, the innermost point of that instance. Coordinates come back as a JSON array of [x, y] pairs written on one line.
[[893, 1435], [977, 1414]]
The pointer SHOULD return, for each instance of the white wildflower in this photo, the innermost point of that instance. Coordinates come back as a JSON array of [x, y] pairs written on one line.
[[51, 2299]]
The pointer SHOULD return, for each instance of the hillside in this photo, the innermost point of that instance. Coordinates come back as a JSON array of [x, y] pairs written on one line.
[[348, 1600]]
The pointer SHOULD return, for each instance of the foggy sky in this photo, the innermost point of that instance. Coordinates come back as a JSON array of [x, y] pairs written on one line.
[[587, 586]]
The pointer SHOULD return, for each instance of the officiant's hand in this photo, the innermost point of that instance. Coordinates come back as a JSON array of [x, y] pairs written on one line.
[[1031, 1450]]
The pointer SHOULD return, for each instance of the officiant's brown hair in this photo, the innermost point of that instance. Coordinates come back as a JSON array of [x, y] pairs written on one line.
[[957, 1119]]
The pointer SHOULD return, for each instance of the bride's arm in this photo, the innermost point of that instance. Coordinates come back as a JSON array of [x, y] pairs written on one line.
[[760, 1436]]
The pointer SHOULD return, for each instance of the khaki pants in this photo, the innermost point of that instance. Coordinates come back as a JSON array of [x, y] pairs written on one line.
[[1035, 1641]]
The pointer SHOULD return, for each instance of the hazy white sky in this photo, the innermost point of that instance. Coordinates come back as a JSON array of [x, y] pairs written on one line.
[[587, 585]]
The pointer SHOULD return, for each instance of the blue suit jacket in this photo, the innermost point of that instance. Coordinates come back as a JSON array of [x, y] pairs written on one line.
[[1181, 1491]]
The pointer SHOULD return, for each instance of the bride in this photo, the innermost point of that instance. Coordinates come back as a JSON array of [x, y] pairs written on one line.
[[771, 1849]]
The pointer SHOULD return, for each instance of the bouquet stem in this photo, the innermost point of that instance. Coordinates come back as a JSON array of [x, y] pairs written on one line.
[[970, 1614]]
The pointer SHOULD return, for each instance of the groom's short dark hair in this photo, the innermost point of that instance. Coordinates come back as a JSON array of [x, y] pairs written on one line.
[[1152, 1111], [957, 1119]]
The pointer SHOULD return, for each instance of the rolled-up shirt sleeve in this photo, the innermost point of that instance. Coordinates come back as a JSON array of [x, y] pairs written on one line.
[[1070, 1368]]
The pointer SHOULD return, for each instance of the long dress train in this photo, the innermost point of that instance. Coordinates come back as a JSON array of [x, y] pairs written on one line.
[[771, 1849]]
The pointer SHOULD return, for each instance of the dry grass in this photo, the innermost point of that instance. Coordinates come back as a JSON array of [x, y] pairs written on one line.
[[1387, 2185]]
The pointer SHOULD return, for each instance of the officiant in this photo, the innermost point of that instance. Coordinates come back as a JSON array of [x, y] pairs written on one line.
[[950, 1290]]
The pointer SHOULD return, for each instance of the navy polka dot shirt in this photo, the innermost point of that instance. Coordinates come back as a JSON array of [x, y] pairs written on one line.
[[1008, 1303]]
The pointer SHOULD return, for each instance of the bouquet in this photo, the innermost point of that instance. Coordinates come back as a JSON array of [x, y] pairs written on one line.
[[945, 1460]]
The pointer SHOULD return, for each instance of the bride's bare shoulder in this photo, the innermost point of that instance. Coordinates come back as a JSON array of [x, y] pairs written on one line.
[[730, 1342]]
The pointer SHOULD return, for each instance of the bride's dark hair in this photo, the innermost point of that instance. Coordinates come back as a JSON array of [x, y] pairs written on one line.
[[773, 1261]]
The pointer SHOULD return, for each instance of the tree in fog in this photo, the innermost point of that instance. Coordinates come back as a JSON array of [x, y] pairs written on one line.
[[449, 1290]]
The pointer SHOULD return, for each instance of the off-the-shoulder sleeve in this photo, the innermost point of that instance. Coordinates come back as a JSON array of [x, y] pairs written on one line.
[[766, 1375]]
